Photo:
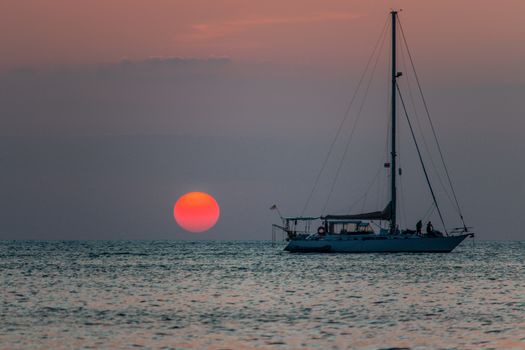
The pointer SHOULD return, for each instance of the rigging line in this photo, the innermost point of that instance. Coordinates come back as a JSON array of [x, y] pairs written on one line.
[[367, 189], [356, 202], [365, 194], [385, 152], [363, 203], [427, 148], [402, 202], [354, 126], [382, 193], [330, 149], [432, 127], [421, 159], [429, 211]]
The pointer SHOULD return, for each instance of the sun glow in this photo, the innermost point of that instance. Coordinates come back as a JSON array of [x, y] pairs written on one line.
[[196, 211]]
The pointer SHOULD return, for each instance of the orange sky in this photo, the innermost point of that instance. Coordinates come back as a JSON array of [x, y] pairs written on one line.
[[130, 138], [483, 34]]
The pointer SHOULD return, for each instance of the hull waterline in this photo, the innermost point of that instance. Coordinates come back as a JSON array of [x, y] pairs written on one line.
[[386, 245]]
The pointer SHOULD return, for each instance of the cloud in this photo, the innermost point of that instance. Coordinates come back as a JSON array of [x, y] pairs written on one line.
[[89, 152], [207, 31], [163, 66]]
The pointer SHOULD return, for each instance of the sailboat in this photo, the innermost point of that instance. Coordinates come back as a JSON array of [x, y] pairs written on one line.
[[354, 233]]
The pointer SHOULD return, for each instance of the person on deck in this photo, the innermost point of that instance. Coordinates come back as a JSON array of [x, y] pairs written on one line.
[[419, 226], [430, 228]]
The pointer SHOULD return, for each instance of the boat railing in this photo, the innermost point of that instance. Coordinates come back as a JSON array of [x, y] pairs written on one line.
[[290, 232]]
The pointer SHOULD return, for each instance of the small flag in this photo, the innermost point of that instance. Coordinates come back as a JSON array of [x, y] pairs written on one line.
[[273, 207]]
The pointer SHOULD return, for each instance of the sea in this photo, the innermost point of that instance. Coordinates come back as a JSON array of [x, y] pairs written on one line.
[[253, 295]]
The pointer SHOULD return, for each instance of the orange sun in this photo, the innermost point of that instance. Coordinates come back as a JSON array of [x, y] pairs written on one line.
[[196, 211]]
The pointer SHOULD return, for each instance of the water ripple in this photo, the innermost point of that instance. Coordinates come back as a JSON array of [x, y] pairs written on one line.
[[239, 295]]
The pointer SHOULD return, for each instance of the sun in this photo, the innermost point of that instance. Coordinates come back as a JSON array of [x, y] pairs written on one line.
[[196, 211]]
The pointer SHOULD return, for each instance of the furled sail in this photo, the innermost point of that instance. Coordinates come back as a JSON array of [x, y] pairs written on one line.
[[386, 215]]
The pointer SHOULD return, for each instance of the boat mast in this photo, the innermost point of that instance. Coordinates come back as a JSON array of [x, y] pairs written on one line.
[[393, 167]]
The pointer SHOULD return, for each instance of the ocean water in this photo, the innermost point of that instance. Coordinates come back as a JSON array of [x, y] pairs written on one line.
[[252, 295]]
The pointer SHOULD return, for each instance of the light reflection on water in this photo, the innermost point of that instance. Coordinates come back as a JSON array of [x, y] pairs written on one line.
[[239, 295]]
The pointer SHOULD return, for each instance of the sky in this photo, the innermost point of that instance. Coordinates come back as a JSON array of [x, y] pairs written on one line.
[[111, 110]]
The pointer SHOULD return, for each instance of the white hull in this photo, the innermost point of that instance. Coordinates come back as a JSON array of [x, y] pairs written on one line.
[[377, 244]]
